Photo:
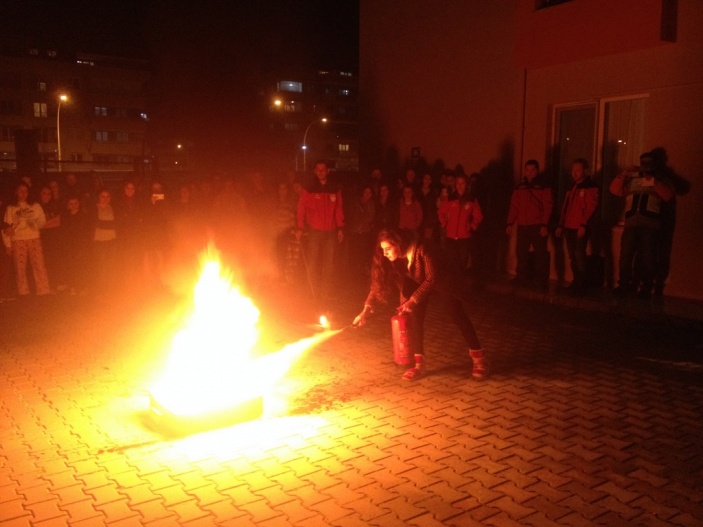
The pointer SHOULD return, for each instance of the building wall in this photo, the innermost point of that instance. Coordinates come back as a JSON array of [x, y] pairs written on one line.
[[671, 77], [453, 79], [441, 79]]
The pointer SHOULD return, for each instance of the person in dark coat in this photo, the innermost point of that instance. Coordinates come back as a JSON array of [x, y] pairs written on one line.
[[418, 268]]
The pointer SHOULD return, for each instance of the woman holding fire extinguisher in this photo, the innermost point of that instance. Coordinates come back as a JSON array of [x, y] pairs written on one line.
[[418, 269]]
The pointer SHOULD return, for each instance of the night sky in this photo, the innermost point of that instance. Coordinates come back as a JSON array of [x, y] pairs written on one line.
[[210, 59]]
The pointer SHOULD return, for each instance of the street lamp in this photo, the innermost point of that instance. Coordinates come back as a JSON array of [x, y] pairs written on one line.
[[62, 98], [305, 146]]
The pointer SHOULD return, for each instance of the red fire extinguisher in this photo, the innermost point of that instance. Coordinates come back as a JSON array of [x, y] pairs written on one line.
[[400, 330]]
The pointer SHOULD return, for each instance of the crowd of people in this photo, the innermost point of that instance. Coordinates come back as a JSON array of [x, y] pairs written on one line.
[[415, 234], [649, 191], [55, 227], [62, 236]]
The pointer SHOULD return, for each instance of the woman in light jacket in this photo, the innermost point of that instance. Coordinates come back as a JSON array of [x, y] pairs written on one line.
[[21, 235]]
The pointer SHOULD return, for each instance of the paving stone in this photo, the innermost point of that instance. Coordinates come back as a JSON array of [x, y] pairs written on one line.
[[81, 510], [116, 510], [13, 510], [552, 438]]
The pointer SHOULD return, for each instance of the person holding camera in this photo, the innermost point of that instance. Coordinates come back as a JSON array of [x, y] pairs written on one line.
[[646, 190]]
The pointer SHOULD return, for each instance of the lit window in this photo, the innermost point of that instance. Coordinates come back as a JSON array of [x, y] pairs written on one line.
[[344, 91], [290, 86], [101, 111], [101, 135], [345, 74], [344, 148], [41, 86], [40, 109], [51, 53]]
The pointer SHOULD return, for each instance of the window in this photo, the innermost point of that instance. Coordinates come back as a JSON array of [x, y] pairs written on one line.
[[292, 107], [101, 111], [623, 142], [344, 148], [608, 133], [47, 135], [291, 127], [41, 86], [120, 112], [344, 91], [10, 108], [122, 137], [575, 137], [10, 80], [289, 86], [101, 135], [7, 133], [40, 109]]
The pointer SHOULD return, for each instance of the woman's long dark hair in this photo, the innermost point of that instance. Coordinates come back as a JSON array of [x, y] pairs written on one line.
[[386, 276]]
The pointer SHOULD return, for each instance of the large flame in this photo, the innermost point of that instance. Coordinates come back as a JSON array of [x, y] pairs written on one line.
[[211, 365]]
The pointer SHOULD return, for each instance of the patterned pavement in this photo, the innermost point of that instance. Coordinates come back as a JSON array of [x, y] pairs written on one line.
[[590, 418]]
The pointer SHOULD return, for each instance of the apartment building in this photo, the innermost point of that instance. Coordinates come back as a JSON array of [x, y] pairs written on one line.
[[72, 113], [317, 117]]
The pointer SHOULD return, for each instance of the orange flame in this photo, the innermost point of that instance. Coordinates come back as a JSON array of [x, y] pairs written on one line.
[[211, 367]]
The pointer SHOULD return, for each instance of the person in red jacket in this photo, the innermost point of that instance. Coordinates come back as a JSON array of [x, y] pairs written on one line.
[[530, 209], [320, 211], [418, 268], [580, 203], [459, 217]]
